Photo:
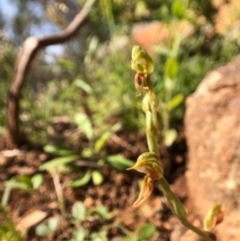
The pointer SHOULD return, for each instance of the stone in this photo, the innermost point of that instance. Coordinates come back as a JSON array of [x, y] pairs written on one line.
[[212, 126], [156, 33]]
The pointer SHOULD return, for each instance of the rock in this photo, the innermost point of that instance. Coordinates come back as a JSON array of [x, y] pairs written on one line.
[[156, 33], [212, 123]]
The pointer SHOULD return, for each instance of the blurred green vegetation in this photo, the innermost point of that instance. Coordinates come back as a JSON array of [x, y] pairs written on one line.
[[92, 73]]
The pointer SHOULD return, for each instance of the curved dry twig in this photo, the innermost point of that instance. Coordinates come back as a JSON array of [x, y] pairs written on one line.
[[30, 48]]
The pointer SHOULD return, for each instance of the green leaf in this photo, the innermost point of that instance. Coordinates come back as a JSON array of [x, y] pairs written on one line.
[[101, 210], [53, 224], [84, 124], [54, 163], [169, 84], [119, 162], [101, 141], [3, 231], [146, 231], [79, 234], [57, 150], [68, 65], [178, 9], [20, 182], [162, 50], [79, 211], [2, 103], [16, 184], [25, 179], [175, 101], [87, 152], [97, 177], [81, 181], [128, 239], [43, 230], [116, 127], [99, 236], [36, 181], [171, 68], [83, 85], [170, 137]]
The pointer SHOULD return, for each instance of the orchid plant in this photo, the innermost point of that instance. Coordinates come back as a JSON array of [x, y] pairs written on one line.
[[149, 162]]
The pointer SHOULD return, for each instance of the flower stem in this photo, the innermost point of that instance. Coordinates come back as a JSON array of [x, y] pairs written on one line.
[[151, 133], [178, 209], [196, 230]]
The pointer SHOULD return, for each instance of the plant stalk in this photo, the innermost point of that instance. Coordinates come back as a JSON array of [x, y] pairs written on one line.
[[178, 209], [59, 193]]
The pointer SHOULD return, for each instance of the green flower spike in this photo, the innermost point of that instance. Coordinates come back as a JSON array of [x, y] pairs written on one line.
[[149, 164]]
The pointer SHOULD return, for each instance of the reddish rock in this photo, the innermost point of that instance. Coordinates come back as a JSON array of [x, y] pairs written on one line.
[[212, 124], [156, 33]]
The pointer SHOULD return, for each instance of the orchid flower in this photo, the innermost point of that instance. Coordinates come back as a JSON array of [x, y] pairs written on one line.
[[149, 164]]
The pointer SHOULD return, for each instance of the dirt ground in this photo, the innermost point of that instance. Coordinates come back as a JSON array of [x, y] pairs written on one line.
[[118, 191]]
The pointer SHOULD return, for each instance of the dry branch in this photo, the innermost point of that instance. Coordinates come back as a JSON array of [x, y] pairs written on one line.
[[30, 48]]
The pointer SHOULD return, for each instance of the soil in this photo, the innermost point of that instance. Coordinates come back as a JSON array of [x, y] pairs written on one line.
[[118, 191]]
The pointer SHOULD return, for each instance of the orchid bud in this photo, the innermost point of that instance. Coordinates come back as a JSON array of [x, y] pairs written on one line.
[[141, 61], [214, 216]]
